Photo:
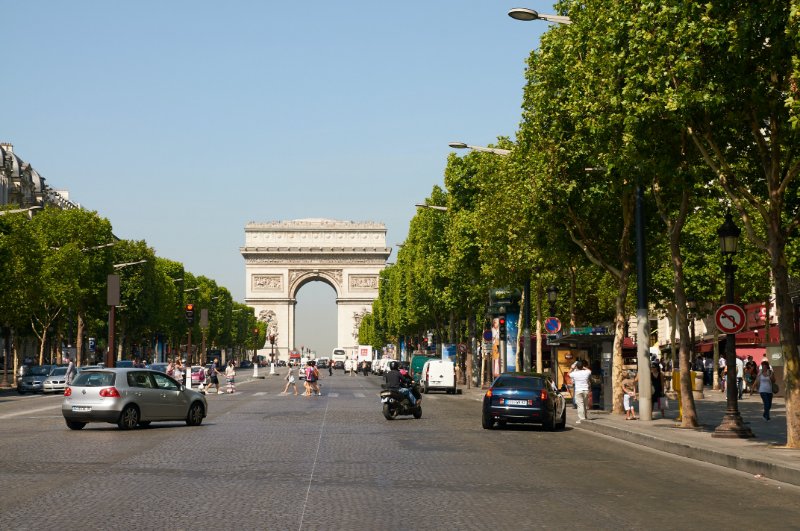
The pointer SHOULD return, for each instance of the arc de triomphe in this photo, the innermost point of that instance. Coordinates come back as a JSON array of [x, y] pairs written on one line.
[[282, 256]]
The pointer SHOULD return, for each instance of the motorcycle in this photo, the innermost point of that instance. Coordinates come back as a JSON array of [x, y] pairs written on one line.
[[396, 403]]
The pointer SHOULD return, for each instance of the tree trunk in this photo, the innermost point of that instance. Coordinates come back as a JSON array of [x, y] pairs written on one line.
[[784, 313], [619, 336], [79, 340]]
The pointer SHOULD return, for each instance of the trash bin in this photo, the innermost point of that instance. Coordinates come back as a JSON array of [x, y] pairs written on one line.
[[697, 385]]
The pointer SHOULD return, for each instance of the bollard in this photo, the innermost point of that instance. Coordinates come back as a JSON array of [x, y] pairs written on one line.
[[697, 384]]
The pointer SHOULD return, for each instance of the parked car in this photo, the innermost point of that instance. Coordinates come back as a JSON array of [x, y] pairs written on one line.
[[245, 364], [56, 381], [130, 397], [33, 381], [524, 397], [281, 363], [339, 364]]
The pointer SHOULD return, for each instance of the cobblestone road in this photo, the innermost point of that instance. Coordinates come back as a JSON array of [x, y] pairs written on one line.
[[263, 460]]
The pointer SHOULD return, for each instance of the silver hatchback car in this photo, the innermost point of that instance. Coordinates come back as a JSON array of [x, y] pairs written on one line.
[[129, 397]]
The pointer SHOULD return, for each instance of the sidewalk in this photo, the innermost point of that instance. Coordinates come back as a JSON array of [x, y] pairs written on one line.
[[762, 455]]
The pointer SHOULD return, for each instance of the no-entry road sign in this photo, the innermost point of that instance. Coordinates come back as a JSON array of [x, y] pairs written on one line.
[[730, 318]]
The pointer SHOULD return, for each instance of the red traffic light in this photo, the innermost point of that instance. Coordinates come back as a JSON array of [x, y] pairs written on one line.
[[189, 307], [502, 321]]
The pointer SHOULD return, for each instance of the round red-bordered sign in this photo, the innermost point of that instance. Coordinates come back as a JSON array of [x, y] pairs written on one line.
[[552, 325], [730, 318]]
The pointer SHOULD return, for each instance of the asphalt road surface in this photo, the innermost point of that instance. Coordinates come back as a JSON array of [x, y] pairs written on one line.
[[263, 460]]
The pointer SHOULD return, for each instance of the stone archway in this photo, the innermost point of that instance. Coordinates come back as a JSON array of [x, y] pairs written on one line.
[[281, 256]]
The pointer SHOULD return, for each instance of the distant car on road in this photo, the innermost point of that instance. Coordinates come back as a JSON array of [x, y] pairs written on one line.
[[33, 381], [198, 375], [130, 397], [338, 364], [524, 397], [56, 381], [245, 364], [160, 367]]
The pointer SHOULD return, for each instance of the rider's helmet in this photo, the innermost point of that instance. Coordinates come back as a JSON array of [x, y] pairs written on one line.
[[393, 365]]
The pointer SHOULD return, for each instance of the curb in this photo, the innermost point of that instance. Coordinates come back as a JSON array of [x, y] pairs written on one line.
[[750, 466]]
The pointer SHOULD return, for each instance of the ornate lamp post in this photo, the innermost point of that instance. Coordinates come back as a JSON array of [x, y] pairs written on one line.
[[732, 426], [552, 295]]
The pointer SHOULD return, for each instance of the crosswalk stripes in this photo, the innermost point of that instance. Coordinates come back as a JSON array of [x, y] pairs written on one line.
[[359, 395], [333, 395]]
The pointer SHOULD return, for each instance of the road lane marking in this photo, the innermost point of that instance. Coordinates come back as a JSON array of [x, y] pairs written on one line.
[[359, 395], [314, 466], [28, 412], [333, 395]]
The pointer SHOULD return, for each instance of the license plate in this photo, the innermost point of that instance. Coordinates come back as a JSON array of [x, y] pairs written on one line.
[[81, 409], [516, 402]]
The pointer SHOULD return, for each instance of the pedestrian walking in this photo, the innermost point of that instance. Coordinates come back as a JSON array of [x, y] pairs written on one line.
[[70, 370], [629, 388], [312, 378], [330, 368], [723, 373], [291, 379], [580, 380], [230, 376], [750, 375], [657, 387], [213, 375], [740, 376], [766, 387], [177, 371]]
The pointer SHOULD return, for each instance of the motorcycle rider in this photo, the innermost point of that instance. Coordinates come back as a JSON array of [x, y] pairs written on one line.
[[397, 382]]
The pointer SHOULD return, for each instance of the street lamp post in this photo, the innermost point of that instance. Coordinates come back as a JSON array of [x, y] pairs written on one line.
[[552, 296], [525, 14], [113, 300], [526, 286], [732, 426]]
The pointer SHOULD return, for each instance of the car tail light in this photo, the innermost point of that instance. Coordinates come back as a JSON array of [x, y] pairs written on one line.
[[109, 392], [543, 395], [68, 391]]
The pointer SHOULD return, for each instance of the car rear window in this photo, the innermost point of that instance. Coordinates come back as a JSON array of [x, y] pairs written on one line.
[[94, 379], [519, 382]]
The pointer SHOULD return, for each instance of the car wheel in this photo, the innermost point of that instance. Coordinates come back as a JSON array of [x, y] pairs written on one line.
[[418, 412], [144, 423], [389, 413], [195, 416], [129, 418], [487, 422], [551, 422], [20, 391], [75, 425], [563, 422]]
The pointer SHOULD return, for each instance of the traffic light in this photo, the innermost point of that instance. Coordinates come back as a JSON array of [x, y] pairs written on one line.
[[190, 314], [502, 323]]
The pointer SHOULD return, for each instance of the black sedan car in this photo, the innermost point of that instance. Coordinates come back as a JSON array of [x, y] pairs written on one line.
[[524, 398]]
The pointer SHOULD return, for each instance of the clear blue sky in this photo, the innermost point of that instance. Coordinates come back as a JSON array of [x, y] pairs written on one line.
[[182, 120]]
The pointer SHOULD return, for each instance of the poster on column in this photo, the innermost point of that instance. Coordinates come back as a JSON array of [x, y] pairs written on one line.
[[449, 352], [512, 333]]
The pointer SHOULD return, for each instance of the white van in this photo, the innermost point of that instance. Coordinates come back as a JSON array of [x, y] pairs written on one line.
[[438, 375]]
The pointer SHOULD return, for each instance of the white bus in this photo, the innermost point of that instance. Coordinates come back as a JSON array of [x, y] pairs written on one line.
[[338, 354]]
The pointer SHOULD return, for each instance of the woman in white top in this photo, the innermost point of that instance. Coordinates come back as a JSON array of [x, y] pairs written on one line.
[[765, 380]]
